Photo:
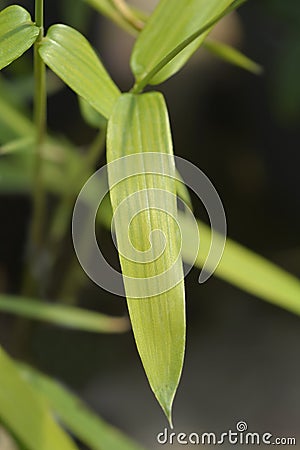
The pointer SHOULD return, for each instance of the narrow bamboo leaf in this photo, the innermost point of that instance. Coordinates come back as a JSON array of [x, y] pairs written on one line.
[[246, 270], [152, 272], [166, 29], [17, 33], [26, 415], [232, 56], [76, 416], [14, 177], [65, 316], [71, 57]]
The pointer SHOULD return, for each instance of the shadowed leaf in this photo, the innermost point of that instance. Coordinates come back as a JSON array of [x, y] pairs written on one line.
[[17, 33]]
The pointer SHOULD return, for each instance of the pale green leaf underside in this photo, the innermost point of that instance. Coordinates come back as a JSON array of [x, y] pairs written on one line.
[[68, 53], [245, 269], [232, 56], [139, 124], [17, 33], [65, 316], [74, 414], [166, 29], [26, 415]]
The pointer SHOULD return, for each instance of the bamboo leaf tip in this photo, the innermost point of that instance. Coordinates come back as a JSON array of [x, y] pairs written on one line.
[[259, 70], [167, 409], [166, 403]]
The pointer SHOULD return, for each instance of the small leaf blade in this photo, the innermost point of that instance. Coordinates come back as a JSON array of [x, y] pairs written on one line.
[[232, 56], [68, 53], [139, 126], [166, 29], [17, 34], [66, 316], [245, 269]]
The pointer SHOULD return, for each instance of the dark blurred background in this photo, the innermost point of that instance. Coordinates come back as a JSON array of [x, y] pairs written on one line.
[[243, 131]]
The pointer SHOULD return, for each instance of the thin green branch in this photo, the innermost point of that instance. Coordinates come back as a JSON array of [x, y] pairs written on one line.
[[38, 189], [40, 114], [127, 14]]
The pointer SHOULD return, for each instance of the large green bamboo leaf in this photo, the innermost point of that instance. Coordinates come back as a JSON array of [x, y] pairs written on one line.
[[17, 33], [245, 269], [71, 57], [26, 415], [65, 316], [249, 279], [76, 416], [167, 28], [139, 131]]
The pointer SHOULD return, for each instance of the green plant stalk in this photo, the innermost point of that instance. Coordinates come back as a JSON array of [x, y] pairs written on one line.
[[22, 327], [40, 116], [141, 84], [127, 13]]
